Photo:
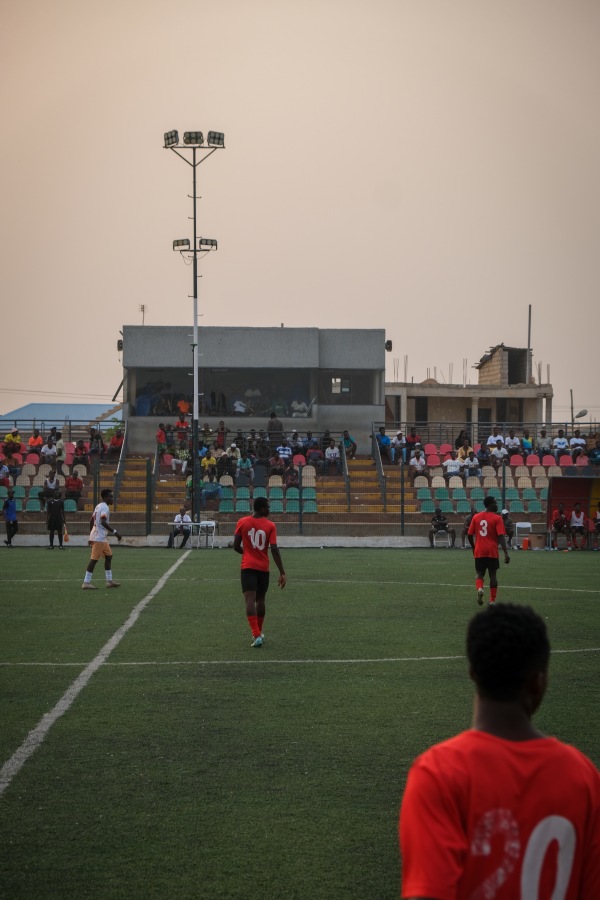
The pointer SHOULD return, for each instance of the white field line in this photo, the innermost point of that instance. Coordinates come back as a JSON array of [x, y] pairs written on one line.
[[38, 734], [272, 662]]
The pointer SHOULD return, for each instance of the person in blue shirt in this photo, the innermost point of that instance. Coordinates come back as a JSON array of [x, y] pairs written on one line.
[[385, 446], [9, 511]]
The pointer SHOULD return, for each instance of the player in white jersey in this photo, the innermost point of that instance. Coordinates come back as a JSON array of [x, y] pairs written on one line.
[[100, 529], [578, 526]]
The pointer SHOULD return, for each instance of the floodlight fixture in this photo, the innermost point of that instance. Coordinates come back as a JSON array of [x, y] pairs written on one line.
[[581, 414], [183, 244], [207, 244], [193, 137], [215, 139], [171, 138]]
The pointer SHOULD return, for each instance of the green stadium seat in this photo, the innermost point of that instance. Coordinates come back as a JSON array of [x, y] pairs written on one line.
[[70, 506], [276, 493], [309, 493], [428, 506], [477, 494], [276, 506], [495, 492], [463, 506], [3, 492], [529, 494], [292, 493], [292, 506], [534, 506], [242, 493], [512, 494], [459, 494], [310, 506], [242, 506], [447, 506], [259, 492], [424, 493], [33, 506], [516, 506], [544, 493], [19, 492], [442, 493], [226, 506], [479, 507]]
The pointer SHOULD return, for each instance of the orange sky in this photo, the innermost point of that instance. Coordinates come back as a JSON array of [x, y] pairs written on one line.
[[429, 168]]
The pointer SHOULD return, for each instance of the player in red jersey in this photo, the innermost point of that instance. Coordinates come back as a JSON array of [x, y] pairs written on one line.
[[501, 811], [253, 536], [486, 531]]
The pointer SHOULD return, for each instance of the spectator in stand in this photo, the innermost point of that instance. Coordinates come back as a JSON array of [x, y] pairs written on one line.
[[385, 446], [299, 459], [182, 458], [483, 455], [203, 450], [274, 430], [314, 456], [225, 465], [182, 427], [11, 463], [9, 511], [512, 443], [471, 467], [211, 490], [417, 465], [560, 445], [414, 450], [526, 443], [35, 442], [80, 454], [398, 448], [466, 526], [453, 466], [233, 451], [48, 453], [494, 437], [332, 459], [244, 467], [4, 475], [276, 464], [464, 451], [51, 435], [561, 521], [170, 437], [61, 452], [209, 462], [579, 526], [97, 445], [184, 407], [12, 441], [577, 444], [325, 438], [263, 452], [73, 487], [307, 441], [55, 519], [594, 456], [51, 485], [206, 432], [499, 455], [349, 444], [439, 523], [240, 440], [544, 444], [509, 527], [295, 443], [412, 440], [222, 432], [291, 477], [284, 450], [462, 438], [115, 445]]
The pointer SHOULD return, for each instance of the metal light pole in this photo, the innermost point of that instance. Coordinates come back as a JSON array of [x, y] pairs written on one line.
[[194, 141]]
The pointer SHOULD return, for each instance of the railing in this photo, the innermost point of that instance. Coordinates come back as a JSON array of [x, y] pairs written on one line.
[[447, 432]]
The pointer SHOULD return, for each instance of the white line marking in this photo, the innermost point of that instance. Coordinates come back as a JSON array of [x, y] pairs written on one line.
[[38, 734], [278, 662]]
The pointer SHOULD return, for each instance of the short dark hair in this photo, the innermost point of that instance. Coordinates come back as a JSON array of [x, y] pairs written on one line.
[[489, 501], [104, 494], [260, 503], [505, 645]]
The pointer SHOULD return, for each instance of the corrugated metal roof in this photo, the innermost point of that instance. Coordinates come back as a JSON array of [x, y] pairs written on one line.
[[56, 413]]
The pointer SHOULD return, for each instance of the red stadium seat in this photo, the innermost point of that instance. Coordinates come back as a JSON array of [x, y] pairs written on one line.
[[532, 460], [517, 460]]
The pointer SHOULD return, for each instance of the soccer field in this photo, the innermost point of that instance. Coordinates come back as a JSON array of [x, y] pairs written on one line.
[[171, 760]]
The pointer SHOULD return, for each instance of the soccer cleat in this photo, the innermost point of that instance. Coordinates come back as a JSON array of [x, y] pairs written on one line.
[[492, 602], [88, 586], [480, 593], [257, 642], [113, 584]]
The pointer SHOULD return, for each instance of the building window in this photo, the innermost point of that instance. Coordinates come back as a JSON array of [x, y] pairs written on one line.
[[421, 410], [340, 385]]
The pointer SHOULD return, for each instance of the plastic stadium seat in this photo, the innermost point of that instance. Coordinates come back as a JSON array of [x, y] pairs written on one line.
[[529, 494], [227, 493], [437, 482], [167, 459], [242, 506], [33, 506], [309, 493], [524, 482], [488, 471], [445, 448], [70, 506], [292, 493], [532, 460], [447, 506], [455, 481], [495, 492], [226, 506], [521, 472], [433, 460], [516, 460], [276, 506], [80, 470], [541, 482], [459, 494], [275, 493], [275, 481], [19, 491], [538, 471], [429, 449], [226, 481], [548, 460], [472, 482], [32, 459], [544, 493], [309, 476], [490, 481], [479, 507], [43, 469], [477, 493], [310, 506], [463, 507], [442, 493], [582, 460], [23, 480], [259, 492], [554, 471], [511, 494], [292, 506], [516, 506], [3, 492], [421, 482], [436, 472], [428, 506], [242, 493], [424, 493], [565, 460], [534, 506]]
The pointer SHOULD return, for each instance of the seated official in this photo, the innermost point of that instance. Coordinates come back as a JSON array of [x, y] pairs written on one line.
[[439, 523], [182, 526]]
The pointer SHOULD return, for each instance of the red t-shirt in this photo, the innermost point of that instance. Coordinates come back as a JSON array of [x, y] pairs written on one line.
[[486, 526], [258, 533], [483, 817]]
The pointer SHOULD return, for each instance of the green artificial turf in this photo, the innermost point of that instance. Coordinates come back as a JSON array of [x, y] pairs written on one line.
[[191, 765]]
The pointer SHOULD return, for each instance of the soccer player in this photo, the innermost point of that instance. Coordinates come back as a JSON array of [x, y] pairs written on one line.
[[101, 528], [253, 536], [502, 810], [9, 511], [486, 531], [579, 526]]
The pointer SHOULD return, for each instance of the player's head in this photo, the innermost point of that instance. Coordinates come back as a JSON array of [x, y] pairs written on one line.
[[261, 506], [107, 495], [490, 504], [508, 652]]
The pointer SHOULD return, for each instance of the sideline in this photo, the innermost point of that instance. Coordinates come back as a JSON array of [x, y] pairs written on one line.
[[38, 734]]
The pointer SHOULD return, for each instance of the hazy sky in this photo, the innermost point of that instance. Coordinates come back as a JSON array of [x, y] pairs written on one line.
[[430, 168]]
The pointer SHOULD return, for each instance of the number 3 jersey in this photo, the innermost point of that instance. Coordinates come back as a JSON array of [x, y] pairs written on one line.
[[257, 534], [487, 818], [486, 526]]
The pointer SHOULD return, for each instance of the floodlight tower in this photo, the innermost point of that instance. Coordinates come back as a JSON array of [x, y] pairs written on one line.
[[193, 141]]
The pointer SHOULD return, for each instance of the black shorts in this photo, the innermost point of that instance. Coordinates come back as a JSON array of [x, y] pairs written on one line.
[[486, 563], [255, 580], [55, 524]]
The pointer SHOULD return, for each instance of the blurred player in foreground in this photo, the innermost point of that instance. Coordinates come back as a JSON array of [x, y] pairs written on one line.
[[101, 528], [486, 531], [502, 811], [253, 536]]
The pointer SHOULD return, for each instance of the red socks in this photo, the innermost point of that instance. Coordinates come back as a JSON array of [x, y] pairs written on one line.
[[254, 626], [478, 583], [493, 592]]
